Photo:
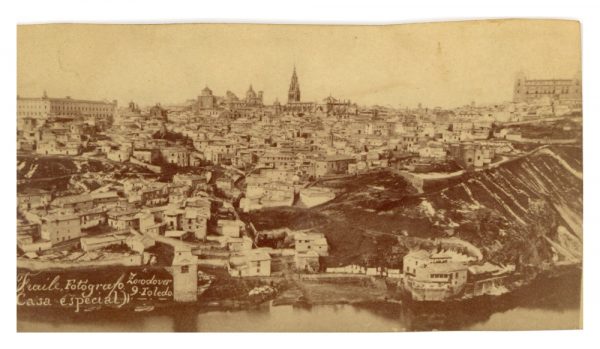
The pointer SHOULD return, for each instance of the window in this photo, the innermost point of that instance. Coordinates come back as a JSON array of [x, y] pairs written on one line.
[[185, 269]]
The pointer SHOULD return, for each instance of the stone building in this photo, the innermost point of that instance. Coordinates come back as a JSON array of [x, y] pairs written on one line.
[[184, 269], [254, 99], [207, 100], [433, 276], [567, 91], [294, 91], [158, 112], [470, 155], [294, 104], [60, 227], [100, 112]]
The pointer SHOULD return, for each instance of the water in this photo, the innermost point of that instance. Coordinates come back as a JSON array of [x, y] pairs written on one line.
[[550, 303]]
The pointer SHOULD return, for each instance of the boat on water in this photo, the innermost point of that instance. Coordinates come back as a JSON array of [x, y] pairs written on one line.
[[87, 310], [142, 308]]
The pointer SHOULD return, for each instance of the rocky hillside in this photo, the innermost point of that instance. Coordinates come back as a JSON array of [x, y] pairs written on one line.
[[71, 173], [527, 211]]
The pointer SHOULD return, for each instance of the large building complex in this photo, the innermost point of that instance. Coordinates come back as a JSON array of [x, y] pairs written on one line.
[[567, 91], [45, 106], [208, 101]]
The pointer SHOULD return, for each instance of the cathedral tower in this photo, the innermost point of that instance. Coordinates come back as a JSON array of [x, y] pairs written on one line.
[[294, 91]]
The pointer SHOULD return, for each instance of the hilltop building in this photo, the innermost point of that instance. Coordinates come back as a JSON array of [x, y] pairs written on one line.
[[294, 104], [566, 91], [254, 99], [101, 112], [207, 100], [294, 91]]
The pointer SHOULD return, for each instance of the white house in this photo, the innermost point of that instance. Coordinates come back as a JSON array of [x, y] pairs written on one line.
[[305, 242], [229, 228], [250, 263]]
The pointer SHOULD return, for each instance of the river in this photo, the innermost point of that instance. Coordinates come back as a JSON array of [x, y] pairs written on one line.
[[549, 303]]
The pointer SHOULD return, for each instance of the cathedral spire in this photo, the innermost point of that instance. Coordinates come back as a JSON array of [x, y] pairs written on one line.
[[294, 91]]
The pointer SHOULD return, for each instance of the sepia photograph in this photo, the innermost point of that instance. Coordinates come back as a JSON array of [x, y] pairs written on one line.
[[299, 178]]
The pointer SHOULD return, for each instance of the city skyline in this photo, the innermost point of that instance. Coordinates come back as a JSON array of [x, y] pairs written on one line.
[[386, 65], [342, 196]]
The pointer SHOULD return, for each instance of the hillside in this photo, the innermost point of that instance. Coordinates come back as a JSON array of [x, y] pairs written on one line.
[[526, 211], [65, 173]]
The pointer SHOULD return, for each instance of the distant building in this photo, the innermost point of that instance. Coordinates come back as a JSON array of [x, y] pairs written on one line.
[[472, 155], [294, 90], [179, 156], [230, 228], [194, 221], [82, 202], [278, 159], [239, 244], [91, 243], [433, 150], [158, 112], [206, 100], [254, 99], [92, 218], [311, 242], [123, 220], [33, 198], [338, 107], [102, 112], [294, 103], [333, 165], [58, 148], [564, 90]]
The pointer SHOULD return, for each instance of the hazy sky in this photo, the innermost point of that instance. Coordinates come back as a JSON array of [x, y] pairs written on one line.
[[439, 64]]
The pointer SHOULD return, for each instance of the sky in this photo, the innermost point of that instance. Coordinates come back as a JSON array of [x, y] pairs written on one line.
[[436, 64]]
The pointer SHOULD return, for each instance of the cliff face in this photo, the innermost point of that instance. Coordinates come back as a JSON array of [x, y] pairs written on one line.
[[528, 209], [70, 173]]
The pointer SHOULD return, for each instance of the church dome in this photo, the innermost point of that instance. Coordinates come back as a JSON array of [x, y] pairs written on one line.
[[250, 93]]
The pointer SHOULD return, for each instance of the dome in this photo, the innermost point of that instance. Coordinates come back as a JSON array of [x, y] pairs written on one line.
[[250, 93], [206, 91]]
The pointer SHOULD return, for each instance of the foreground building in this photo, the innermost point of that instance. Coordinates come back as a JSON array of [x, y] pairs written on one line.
[[433, 276]]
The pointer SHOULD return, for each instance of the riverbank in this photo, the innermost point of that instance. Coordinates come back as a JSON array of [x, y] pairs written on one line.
[[552, 301], [321, 289], [233, 294]]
